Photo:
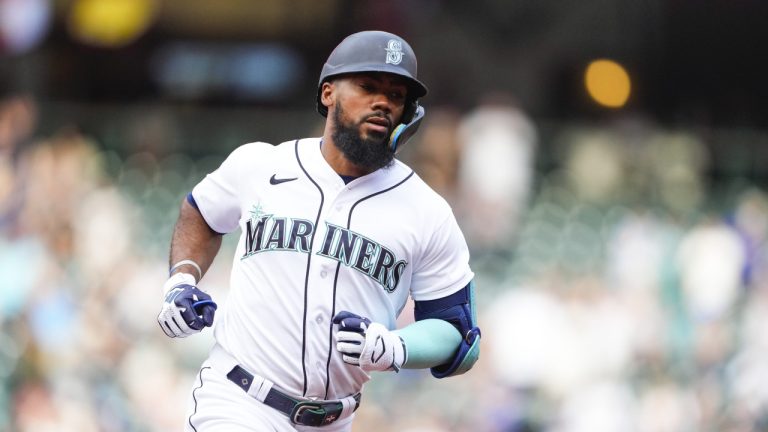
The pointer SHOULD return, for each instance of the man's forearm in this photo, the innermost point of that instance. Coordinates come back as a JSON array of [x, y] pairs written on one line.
[[193, 240], [429, 343]]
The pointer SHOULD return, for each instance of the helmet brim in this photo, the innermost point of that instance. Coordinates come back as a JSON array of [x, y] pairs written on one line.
[[416, 89]]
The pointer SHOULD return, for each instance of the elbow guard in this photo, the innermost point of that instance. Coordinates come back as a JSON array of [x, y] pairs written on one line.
[[459, 310]]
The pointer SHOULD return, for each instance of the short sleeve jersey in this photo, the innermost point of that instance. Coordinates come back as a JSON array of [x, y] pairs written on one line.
[[311, 246]]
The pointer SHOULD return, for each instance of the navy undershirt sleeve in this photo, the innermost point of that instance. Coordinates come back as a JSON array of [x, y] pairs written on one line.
[[459, 297], [191, 201]]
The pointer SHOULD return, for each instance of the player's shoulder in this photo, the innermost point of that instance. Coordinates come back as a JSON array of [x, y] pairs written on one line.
[[255, 147], [294, 146], [260, 150], [419, 193], [415, 183], [249, 152]]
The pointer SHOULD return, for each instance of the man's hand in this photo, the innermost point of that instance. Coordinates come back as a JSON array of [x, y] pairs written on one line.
[[186, 309], [368, 345]]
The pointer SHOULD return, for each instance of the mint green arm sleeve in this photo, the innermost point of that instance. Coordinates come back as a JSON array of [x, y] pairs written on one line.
[[429, 343]]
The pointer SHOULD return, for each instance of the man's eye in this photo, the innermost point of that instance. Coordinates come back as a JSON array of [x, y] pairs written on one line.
[[397, 96], [366, 86]]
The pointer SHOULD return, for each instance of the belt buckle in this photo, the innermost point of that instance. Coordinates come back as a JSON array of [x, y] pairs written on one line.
[[324, 417], [299, 409]]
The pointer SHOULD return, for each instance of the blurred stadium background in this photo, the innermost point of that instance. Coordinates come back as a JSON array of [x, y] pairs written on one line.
[[607, 161]]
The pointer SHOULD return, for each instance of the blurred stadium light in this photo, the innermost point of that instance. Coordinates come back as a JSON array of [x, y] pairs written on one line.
[[239, 19], [110, 23], [608, 83], [23, 24]]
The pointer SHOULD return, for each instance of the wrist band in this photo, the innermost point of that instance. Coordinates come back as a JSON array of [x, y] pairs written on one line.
[[187, 262]]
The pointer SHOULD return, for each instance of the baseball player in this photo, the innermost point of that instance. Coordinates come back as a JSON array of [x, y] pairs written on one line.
[[336, 235]]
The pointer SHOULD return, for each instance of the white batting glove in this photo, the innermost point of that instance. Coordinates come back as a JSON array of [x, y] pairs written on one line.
[[368, 345], [186, 309]]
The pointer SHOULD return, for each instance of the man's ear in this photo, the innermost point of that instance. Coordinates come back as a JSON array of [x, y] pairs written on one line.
[[328, 94]]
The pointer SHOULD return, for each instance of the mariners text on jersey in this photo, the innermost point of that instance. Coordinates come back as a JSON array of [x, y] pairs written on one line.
[[341, 244]]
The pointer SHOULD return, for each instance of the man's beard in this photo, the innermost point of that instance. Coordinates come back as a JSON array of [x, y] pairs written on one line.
[[369, 153]]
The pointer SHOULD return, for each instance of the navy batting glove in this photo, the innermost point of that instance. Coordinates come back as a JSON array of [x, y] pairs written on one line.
[[348, 321], [186, 309], [196, 307]]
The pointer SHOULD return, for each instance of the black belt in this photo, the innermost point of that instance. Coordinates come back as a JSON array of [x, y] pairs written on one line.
[[304, 412]]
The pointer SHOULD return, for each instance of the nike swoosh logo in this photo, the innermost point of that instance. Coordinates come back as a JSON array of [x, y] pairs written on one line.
[[276, 181]]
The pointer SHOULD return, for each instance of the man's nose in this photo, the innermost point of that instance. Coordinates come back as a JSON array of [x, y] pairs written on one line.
[[381, 102]]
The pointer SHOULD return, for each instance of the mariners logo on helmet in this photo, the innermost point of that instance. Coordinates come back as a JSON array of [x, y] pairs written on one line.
[[394, 51]]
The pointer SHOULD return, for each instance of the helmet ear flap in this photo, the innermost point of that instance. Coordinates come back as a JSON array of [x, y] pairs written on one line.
[[409, 110], [404, 131]]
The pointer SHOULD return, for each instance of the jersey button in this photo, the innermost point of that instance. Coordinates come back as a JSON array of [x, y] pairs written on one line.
[[319, 319], [323, 273]]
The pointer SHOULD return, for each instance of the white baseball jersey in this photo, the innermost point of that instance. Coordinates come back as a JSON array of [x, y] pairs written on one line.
[[312, 246]]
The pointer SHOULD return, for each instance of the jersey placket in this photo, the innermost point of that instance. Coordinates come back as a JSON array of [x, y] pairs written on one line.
[[321, 296]]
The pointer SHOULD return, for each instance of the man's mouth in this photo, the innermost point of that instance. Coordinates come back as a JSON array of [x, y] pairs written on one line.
[[378, 123]]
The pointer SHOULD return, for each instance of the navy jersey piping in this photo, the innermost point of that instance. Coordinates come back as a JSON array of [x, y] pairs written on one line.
[[330, 333], [189, 420], [336, 278], [306, 275]]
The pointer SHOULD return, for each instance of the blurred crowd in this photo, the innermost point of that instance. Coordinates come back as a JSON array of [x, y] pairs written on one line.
[[619, 287]]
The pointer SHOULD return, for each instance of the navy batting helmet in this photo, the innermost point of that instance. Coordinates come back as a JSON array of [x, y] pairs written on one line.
[[374, 51]]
